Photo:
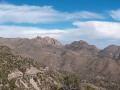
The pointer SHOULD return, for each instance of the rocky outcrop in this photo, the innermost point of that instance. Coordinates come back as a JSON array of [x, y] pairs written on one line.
[[47, 41], [14, 75]]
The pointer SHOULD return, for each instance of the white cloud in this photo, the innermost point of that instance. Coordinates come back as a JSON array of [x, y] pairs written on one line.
[[100, 33], [40, 14], [65, 35], [115, 14], [99, 29], [29, 32], [84, 30], [85, 15]]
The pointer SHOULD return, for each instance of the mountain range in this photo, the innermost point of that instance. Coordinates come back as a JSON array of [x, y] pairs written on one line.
[[99, 68]]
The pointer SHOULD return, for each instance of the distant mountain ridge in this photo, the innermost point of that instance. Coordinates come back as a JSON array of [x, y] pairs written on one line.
[[82, 46], [100, 67], [112, 51]]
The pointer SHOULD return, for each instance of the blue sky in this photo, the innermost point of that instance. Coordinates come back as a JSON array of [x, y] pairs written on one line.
[[71, 5], [95, 21]]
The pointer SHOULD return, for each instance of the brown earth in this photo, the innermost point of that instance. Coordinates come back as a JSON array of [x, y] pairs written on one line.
[[100, 67]]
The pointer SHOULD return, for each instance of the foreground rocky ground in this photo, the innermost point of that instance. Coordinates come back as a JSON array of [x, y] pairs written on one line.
[[18, 73]]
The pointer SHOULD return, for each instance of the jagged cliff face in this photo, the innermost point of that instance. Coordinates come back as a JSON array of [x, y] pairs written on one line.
[[93, 65], [47, 41]]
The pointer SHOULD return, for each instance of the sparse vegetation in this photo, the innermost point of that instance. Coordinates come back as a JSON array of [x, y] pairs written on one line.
[[71, 82], [88, 87], [13, 75]]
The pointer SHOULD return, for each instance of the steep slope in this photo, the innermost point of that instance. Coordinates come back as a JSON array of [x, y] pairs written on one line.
[[45, 50], [112, 51], [18, 73], [82, 46], [84, 59]]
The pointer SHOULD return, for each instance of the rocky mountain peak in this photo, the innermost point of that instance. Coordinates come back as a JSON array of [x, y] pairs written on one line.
[[81, 42], [38, 37], [51, 41], [112, 51], [82, 45], [47, 41]]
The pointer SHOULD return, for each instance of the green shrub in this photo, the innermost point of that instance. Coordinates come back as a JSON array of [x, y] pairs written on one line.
[[71, 82]]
